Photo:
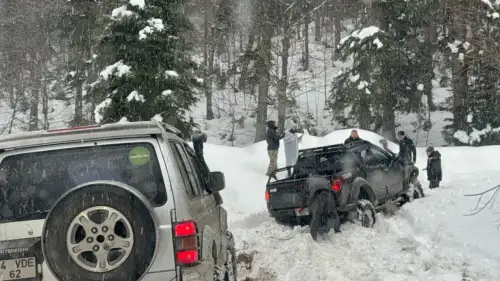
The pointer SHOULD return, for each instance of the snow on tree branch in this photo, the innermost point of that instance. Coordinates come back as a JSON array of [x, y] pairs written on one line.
[[118, 69]]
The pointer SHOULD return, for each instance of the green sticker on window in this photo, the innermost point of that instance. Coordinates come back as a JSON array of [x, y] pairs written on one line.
[[139, 156]]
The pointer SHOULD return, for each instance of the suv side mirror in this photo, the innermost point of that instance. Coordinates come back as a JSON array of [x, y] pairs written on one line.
[[217, 181]]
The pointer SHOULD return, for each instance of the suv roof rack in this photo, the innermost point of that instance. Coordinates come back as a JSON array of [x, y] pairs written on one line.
[[169, 128]]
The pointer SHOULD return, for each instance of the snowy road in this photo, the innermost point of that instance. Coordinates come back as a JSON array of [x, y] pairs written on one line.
[[428, 239]]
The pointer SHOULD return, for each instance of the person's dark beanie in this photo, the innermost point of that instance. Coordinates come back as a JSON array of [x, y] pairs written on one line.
[[401, 133], [430, 149]]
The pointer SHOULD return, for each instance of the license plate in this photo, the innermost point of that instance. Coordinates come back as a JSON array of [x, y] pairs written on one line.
[[17, 269]]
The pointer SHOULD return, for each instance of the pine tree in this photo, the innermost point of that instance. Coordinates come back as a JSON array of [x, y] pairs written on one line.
[[478, 53], [385, 76], [153, 74]]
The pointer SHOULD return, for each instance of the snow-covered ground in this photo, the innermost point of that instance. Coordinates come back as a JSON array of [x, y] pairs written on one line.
[[428, 239]]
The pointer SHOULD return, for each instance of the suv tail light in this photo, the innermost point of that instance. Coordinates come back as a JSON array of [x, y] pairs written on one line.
[[186, 243], [266, 195], [336, 185]]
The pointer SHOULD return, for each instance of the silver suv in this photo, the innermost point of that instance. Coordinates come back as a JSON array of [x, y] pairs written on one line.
[[116, 202]]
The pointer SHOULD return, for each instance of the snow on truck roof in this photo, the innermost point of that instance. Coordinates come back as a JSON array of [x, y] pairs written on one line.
[[85, 133]]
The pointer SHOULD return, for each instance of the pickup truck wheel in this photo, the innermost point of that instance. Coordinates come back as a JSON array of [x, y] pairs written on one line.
[[366, 213], [95, 232], [324, 216], [418, 191]]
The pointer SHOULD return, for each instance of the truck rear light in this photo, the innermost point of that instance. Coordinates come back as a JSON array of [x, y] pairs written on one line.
[[336, 185], [266, 195], [186, 243]]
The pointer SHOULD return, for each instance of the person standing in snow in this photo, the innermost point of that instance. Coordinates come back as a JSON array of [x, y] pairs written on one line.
[[407, 150], [434, 172], [354, 137], [291, 142], [273, 145]]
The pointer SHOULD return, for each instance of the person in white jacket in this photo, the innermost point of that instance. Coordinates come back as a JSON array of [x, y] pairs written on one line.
[[291, 143]]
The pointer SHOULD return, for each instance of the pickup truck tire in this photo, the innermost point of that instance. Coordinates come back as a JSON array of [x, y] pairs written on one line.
[[418, 191], [366, 213], [88, 223], [322, 201]]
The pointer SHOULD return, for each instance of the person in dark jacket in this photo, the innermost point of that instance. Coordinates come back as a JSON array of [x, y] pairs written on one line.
[[273, 145], [354, 137], [434, 172], [407, 150]]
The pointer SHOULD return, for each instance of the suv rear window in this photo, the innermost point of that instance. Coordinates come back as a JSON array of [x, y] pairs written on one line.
[[31, 183]]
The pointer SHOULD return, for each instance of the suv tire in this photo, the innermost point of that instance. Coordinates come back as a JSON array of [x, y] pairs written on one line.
[[117, 217], [366, 213], [418, 191]]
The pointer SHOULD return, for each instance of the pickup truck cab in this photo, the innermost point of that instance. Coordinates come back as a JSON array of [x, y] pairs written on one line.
[[362, 176]]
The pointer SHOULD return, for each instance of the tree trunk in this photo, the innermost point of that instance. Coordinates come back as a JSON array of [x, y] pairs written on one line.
[[263, 68], [283, 82], [338, 26], [459, 78], [317, 25], [78, 119], [330, 14], [364, 114], [45, 104], [431, 41], [305, 57], [389, 118], [208, 69], [248, 56], [35, 76]]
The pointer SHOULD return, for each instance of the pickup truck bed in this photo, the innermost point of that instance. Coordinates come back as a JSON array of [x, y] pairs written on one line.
[[289, 197]]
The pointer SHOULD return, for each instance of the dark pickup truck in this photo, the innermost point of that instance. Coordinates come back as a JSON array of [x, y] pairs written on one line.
[[362, 177]]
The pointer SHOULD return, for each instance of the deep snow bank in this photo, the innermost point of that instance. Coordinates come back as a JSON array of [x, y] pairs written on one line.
[[429, 239]]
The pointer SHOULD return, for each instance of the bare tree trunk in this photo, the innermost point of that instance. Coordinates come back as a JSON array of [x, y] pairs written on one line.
[[459, 77], [45, 104], [283, 82], [78, 118], [14, 100], [305, 57], [317, 25], [208, 69], [263, 68], [248, 56], [431, 41], [338, 25], [35, 76], [330, 15]]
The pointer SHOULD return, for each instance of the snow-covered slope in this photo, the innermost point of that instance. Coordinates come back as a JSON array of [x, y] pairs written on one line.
[[428, 239]]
